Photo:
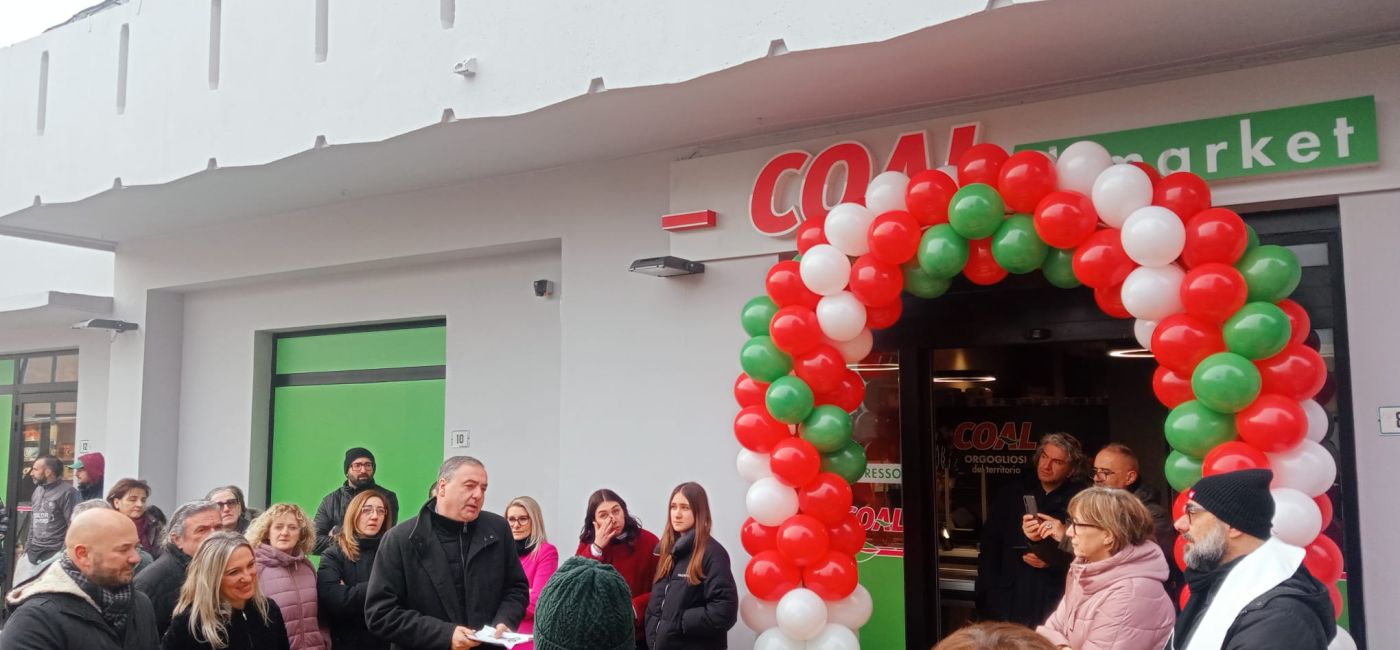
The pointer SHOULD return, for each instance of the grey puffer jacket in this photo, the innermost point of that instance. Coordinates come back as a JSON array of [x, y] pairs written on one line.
[[290, 581]]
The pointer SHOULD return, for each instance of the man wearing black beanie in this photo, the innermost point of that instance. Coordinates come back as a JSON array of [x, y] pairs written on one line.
[[359, 470], [1248, 589]]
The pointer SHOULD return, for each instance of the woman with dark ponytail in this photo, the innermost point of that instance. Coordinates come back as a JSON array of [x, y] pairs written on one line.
[[694, 601]]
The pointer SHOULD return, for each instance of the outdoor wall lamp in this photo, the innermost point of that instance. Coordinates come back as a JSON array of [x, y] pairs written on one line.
[[115, 327], [665, 267]]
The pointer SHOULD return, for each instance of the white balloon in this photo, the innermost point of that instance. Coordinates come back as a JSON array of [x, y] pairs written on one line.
[[951, 171], [825, 269], [759, 615], [847, 227], [752, 465], [1153, 236], [1297, 519], [835, 637], [1342, 641], [853, 611], [1308, 468], [774, 639], [769, 502], [1153, 292], [857, 348], [1319, 423], [841, 316], [801, 614], [1142, 331], [1080, 164], [1119, 191], [886, 192]]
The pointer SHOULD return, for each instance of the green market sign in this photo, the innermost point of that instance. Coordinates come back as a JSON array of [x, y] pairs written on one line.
[[1304, 138]]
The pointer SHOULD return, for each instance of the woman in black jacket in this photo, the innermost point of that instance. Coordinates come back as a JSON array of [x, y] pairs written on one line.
[[343, 578], [694, 601], [221, 606]]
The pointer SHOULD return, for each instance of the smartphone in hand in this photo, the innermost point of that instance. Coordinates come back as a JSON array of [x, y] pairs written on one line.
[[1031, 508]]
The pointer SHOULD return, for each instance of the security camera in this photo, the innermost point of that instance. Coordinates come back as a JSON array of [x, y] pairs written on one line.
[[544, 288]]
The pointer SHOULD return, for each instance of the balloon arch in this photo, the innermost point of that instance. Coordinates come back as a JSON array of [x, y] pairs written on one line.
[[1237, 366]]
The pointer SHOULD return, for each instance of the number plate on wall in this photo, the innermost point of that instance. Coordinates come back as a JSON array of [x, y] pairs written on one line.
[[1390, 420]]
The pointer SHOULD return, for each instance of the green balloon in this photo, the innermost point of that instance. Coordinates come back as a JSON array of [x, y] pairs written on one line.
[[763, 361], [1059, 268], [1194, 430], [789, 400], [976, 211], [758, 312], [1225, 382], [847, 462], [828, 428], [1272, 273], [918, 282], [1259, 330], [1182, 471], [942, 251], [1252, 241], [1017, 247]]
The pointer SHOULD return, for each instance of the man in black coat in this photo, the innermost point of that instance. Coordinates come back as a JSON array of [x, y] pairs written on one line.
[[359, 470], [85, 601], [191, 523], [448, 573]]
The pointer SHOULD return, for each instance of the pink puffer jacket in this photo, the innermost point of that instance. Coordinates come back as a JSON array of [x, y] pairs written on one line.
[[290, 581], [1114, 604]]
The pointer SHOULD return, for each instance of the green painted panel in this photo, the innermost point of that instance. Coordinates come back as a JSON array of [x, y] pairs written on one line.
[[399, 348], [883, 577], [401, 422], [7, 372], [7, 411]]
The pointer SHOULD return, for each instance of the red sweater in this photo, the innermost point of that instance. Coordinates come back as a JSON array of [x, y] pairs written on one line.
[[637, 564]]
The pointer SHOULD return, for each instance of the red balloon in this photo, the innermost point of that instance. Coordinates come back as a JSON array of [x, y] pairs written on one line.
[[769, 576], [1272, 423], [1324, 559], [795, 461], [928, 196], [1213, 291], [1152, 173], [1335, 594], [803, 540], [881, 316], [1179, 505], [1170, 388], [1298, 320], [1297, 372], [847, 537], [1025, 178], [757, 430], [874, 282], [1181, 341], [1184, 193], [1324, 505], [1100, 261], [810, 234], [749, 392], [833, 577], [795, 330], [823, 368], [758, 538], [894, 237], [785, 287], [847, 395], [1110, 300], [981, 267], [981, 163], [1179, 552], [827, 498], [1064, 219], [1232, 456], [1216, 235]]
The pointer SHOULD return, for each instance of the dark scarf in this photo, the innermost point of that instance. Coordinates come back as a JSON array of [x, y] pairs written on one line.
[[1203, 585], [114, 604], [523, 547]]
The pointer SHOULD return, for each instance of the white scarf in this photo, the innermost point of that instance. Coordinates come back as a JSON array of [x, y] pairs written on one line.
[[1256, 574]]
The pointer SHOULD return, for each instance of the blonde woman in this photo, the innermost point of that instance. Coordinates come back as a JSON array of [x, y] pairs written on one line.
[[343, 578], [282, 537], [538, 557], [221, 606]]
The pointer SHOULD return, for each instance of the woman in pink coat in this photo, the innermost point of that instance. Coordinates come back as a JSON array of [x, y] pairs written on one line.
[[281, 537], [1114, 598], [538, 557]]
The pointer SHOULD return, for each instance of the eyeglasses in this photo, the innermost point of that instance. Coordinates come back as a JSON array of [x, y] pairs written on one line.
[[523, 519], [1192, 511], [361, 464], [228, 504], [1071, 523], [1102, 472], [373, 510]]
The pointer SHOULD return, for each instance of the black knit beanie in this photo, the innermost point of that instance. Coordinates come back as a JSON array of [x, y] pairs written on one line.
[[353, 454], [1241, 499], [585, 606]]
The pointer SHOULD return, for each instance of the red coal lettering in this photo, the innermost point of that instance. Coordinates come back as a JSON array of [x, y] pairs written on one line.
[[765, 191], [855, 158]]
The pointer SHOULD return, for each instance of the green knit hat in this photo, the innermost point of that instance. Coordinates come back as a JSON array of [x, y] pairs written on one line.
[[585, 606]]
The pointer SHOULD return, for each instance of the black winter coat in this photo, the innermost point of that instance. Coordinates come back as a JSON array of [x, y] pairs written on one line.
[[340, 587], [682, 616], [411, 599], [1297, 614], [247, 630], [331, 513], [1008, 589], [161, 583], [50, 612]]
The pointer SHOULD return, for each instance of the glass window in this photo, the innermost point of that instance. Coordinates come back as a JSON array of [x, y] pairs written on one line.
[[67, 368], [36, 370]]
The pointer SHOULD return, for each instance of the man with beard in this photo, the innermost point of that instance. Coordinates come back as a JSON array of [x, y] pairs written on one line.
[[52, 505], [1248, 589], [85, 601], [359, 476]]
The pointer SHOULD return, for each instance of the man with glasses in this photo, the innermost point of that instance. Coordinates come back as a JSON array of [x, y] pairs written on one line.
[[1248, 588], [359, 476]]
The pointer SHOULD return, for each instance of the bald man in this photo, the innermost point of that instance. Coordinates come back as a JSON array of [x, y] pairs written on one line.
[[85, 599]]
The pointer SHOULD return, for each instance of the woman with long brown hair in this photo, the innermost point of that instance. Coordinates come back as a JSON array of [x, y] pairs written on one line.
[[343, 578], [611, 535], [693, 601]]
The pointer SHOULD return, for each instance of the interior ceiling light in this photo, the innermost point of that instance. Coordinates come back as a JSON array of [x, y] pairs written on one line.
[[963, 377], [1131, 353], [873, 367]]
